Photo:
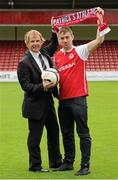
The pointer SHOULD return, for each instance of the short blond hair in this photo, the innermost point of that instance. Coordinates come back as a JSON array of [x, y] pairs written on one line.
[[64, 30], [34, 33]]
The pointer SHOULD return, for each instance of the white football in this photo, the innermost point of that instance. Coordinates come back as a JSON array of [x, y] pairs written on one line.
[[51, 75]]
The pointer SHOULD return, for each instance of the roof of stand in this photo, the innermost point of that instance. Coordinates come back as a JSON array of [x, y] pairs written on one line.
[[56, 4]]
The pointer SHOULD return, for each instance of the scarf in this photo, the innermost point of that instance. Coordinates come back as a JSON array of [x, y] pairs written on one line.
[[78, 17]]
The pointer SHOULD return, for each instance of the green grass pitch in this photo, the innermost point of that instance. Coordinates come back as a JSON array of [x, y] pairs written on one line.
[[103, 123]]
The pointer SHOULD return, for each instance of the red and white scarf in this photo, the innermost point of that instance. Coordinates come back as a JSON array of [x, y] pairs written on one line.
[[78, 17]]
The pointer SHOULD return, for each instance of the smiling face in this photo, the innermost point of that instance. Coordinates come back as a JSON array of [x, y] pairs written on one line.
[[65, 38], [34, 40]]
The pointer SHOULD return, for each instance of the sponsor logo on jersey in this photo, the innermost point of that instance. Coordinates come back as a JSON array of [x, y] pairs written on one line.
[[67, 66]]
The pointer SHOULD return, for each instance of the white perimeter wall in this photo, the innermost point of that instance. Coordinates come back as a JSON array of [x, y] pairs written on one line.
[[7, 76]]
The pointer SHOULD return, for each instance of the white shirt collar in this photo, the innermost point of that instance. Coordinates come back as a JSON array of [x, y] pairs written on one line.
[[35, 54]]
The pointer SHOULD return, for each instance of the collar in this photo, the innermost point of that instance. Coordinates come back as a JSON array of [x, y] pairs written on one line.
[[35, 54], [63, 50]]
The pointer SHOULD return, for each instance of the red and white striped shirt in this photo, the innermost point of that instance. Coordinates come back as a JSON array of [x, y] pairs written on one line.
[[72, 72]]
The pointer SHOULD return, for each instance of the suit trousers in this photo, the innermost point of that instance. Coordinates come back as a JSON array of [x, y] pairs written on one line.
[[34, 139], [71, 110]]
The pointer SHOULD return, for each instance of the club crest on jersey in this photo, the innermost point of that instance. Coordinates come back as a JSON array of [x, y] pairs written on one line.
[[71, 56]]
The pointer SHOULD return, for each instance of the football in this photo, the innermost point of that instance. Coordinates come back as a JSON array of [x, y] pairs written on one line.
[[51, 75]]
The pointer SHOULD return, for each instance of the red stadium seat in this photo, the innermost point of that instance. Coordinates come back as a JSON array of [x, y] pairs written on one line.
[[105, 58]]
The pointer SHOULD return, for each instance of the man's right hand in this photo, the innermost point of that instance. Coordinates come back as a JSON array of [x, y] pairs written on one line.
[[48, 85], [52, 24]]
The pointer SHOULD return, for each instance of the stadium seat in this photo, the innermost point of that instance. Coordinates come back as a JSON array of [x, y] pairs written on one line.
[[105, 58]]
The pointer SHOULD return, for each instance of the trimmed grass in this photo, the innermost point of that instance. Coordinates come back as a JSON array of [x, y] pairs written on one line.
[[103, 117]]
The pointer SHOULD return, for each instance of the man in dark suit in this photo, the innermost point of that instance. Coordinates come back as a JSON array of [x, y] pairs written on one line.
[[38, 105]]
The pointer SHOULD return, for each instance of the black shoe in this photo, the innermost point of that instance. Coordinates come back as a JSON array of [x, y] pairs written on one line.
[[56, 165], [64, 167], [40, 170], [83, 171]]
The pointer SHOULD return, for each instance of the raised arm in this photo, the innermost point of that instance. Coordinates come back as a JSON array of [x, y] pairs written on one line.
[[53, 45], [93, 45]]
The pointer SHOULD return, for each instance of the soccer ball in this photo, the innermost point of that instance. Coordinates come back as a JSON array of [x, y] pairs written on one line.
[[51, 75]]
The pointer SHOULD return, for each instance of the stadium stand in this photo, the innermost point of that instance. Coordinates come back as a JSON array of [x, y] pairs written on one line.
[[16, 16], [105, 58], [60, 4], [11, 53]]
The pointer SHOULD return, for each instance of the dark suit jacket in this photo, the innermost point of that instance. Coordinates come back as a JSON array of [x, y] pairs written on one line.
[[36, 101]]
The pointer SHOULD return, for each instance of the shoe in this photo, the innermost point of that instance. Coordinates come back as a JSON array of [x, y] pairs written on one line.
[[56, 165], [40, 170], [83, 171], [64, 167]]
